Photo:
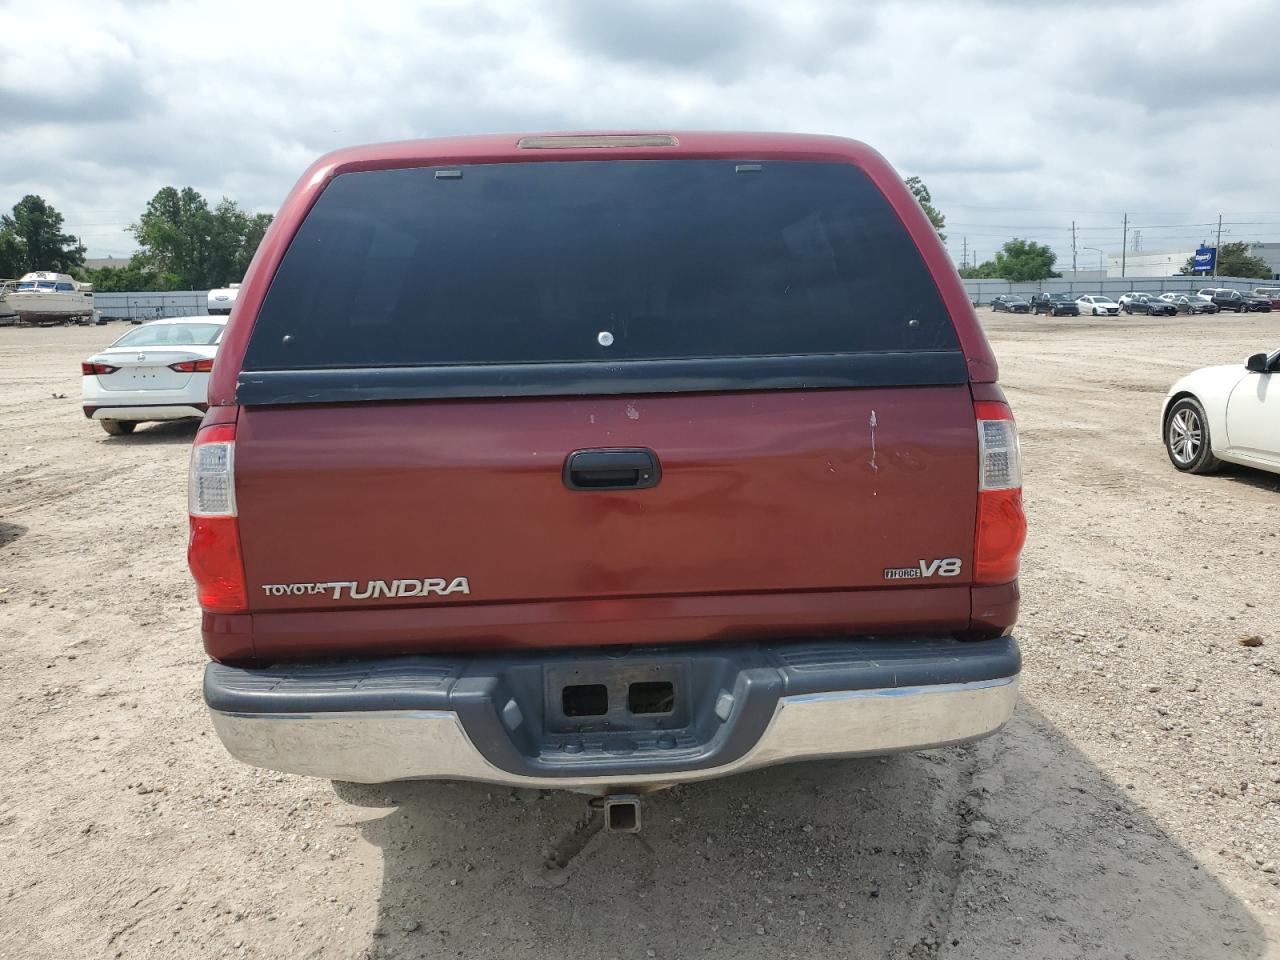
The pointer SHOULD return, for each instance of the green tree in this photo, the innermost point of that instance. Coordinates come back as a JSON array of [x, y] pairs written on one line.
[[234, 239], [10, 255], [982, 271], [31, 238], [132, 278], [921, 193], [1016, 260], [1234, 260], [187, 245], [173, 233]]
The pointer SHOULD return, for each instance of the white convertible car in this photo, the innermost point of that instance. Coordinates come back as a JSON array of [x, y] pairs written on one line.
[[1227, 413]]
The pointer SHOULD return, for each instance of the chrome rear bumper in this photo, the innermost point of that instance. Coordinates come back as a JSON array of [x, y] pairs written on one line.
[[393, 741]]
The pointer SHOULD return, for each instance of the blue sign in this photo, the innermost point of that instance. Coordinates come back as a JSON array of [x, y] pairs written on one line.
[[1205, 259]]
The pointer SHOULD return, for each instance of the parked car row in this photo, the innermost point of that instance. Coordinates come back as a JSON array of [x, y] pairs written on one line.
[[1208, 300], [1055, 304]]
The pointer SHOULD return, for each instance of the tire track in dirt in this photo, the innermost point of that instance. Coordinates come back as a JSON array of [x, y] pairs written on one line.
[[13, 503]]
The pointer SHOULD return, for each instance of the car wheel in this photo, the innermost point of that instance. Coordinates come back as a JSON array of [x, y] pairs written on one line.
[[1186, 438], [118, 428]]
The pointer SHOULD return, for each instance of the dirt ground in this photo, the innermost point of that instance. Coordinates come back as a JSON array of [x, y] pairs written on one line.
[[1130, 810]]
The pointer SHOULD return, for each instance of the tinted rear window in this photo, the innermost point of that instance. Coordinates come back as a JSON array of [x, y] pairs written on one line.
[[573, 262]]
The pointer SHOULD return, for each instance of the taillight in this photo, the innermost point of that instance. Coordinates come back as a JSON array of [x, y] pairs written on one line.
[[97, 369], [192, 366], [213, 552], [1002, 525]]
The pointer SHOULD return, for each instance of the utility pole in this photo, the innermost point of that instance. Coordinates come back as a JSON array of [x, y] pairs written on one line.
[[1217, 249], [1124, 244], [1073, 247], [964, 257]]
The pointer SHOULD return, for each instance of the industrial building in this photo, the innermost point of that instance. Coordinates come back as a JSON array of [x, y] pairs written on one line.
[[1167, 263]]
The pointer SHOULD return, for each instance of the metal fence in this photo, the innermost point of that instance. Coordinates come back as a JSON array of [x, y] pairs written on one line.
[[981, 291], [152, 306]]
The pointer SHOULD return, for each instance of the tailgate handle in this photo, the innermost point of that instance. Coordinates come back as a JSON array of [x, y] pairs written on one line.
[[612, 468]]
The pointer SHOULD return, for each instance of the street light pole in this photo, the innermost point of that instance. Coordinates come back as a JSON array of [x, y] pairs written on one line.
[[1101, 269]]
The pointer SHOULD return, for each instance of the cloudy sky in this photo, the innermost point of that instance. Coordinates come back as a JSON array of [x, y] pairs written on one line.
[[1021, 115]]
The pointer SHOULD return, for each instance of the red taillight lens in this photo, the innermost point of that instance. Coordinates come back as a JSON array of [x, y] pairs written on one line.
[[1002, 524], [1002, 530], [213, 552], [193, 366], [97, 369]]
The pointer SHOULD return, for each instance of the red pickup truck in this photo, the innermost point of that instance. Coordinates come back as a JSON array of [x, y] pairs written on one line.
[[597, 462]]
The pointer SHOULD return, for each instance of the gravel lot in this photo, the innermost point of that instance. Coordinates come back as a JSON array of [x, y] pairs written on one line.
[[1132, 809]]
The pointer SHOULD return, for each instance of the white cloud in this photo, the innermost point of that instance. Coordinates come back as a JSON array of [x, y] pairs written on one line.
[[1019, 115]]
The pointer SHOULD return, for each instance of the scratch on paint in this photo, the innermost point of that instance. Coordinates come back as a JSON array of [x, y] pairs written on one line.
[[632, 412], [874, 467]]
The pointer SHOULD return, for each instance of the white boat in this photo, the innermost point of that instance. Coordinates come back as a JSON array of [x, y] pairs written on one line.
[[43, 298]]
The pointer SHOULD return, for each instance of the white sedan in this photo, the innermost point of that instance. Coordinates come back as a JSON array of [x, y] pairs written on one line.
[[158, 371], [1098, 306], [1229, 413]]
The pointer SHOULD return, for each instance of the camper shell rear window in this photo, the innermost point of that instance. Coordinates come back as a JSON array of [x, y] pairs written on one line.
[[598, 277]]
